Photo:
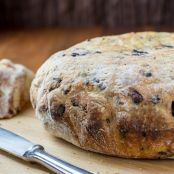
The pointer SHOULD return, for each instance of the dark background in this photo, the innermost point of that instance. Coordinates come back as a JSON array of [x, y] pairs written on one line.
[[85, 13], [32, 30]]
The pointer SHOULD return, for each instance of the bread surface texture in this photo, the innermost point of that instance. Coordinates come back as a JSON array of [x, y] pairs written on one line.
[[15, 81], [113, 95]]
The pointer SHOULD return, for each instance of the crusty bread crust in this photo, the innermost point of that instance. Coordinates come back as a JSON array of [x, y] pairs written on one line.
[[15, 81], [112, 95]]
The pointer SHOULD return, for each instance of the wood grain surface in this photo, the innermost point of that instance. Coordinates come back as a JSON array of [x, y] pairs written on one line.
[[28, 126], [108, 13], [32, 48]]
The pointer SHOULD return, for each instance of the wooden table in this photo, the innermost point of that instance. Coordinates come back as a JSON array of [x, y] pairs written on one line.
[[32, 48], [27, 125]]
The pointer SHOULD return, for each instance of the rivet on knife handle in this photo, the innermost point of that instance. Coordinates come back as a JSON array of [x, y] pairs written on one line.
[[38, 154]]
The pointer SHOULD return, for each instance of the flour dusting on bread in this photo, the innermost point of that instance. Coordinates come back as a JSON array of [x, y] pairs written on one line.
[[112, 95], [15, 82]]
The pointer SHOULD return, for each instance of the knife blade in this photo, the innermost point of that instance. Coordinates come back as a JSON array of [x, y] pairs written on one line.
[[13, 143], [25, 149]]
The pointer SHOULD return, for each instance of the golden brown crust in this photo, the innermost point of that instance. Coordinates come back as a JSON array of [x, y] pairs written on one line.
[[112, 95]]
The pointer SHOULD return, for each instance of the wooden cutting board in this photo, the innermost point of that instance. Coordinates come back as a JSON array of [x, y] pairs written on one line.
[[28, 126]]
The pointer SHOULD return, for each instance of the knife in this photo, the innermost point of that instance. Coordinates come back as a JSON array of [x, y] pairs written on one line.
[[23, 148]]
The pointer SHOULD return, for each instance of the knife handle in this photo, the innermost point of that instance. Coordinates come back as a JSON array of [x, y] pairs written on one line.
[[38, 154]]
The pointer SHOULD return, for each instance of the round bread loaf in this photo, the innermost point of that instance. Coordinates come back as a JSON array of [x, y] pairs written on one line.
[[113, 95]]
